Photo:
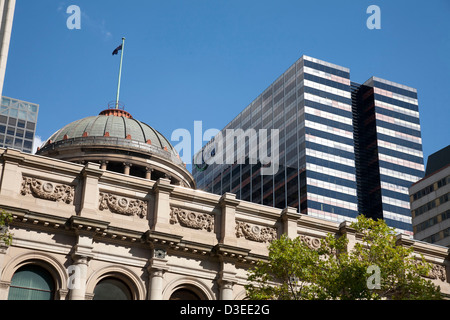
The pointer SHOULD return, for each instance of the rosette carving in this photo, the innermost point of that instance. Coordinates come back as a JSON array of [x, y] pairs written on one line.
[[255, 232], [312, 243], [47, 190], [194, 220], [122, 205]]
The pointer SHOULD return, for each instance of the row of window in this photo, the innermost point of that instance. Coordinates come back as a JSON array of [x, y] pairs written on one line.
[[438, 236], [403, 104], [326, 69], [399, 149], [402, 163], [432, 187], [404, 114], [395, 96], [395, 89], [326, 82], [325, 75], [430, 205], [431, 222], [33, 282]]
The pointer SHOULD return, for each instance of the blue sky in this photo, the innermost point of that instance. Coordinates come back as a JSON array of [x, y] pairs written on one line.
[[205, 60]]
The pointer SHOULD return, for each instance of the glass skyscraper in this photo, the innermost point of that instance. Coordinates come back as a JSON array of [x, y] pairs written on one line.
[[17, 124], [321, 117], [390, 157]]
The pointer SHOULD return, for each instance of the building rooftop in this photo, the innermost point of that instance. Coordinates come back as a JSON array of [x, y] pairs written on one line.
[[438, 160]]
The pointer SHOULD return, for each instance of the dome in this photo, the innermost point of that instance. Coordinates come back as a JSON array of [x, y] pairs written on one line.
[[115, 139]]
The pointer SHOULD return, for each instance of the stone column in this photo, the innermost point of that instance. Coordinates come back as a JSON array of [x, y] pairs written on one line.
[[4, 286], [104, 165], [126, 168], [226, 290], [78, 289], [148, 173], [157, 267], [227, 279]]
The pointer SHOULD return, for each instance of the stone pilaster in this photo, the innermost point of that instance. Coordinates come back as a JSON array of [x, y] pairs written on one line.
[[228, 203], [290, 217], [161, 220], [346, 231], [91, 173]]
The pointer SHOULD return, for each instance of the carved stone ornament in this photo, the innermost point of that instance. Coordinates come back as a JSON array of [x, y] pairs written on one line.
[[438, 272], [47, 190], [312, 243], [122, 205], [194, 220], [255, 232]]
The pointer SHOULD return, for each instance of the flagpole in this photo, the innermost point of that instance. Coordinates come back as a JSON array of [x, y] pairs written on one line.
[[120, 73]]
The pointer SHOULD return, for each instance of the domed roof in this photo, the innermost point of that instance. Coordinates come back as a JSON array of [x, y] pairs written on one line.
[[118, 143], [104, 128]]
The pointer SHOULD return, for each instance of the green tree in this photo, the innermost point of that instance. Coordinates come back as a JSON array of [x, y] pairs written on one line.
[[5, 235], [296, 271]]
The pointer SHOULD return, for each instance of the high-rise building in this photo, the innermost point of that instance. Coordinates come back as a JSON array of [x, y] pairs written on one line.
[[343, 148], [18, 124], [7, 8], [389, 149], [430, 200]]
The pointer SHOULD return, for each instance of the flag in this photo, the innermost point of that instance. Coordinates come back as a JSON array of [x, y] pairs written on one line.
[[116, 51]]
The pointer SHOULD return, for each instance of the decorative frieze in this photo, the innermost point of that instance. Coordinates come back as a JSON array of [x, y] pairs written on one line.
[[312, 243], [47, 190], [190, 219], [123, 205], [255, 232], [437, 272]]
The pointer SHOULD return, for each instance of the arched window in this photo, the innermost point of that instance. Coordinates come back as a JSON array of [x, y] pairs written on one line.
[[184, 294], [32, 282], [112, 289]]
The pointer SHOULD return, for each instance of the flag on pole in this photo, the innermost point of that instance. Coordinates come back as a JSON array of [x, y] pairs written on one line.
[[116, 51]]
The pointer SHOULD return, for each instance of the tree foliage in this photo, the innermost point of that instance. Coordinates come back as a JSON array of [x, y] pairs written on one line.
[[296, 271], [5, 235]]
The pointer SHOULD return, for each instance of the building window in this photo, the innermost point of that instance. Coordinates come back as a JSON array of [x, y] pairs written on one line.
[[184, 294], [32, 282], [112, 289]]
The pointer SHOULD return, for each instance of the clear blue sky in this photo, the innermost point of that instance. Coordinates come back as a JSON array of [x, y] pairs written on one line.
[[192, 60]]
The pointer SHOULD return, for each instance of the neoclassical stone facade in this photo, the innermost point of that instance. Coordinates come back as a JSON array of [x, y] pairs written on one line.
[[162, 241]]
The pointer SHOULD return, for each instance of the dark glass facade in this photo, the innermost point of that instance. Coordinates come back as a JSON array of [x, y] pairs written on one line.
[[322, 119], [389, 152]]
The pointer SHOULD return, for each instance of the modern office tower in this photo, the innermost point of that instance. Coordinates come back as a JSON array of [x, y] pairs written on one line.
[[430, 205], [311, 107], [7, 8], [17, 124], [389, 153], [344, 148]]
